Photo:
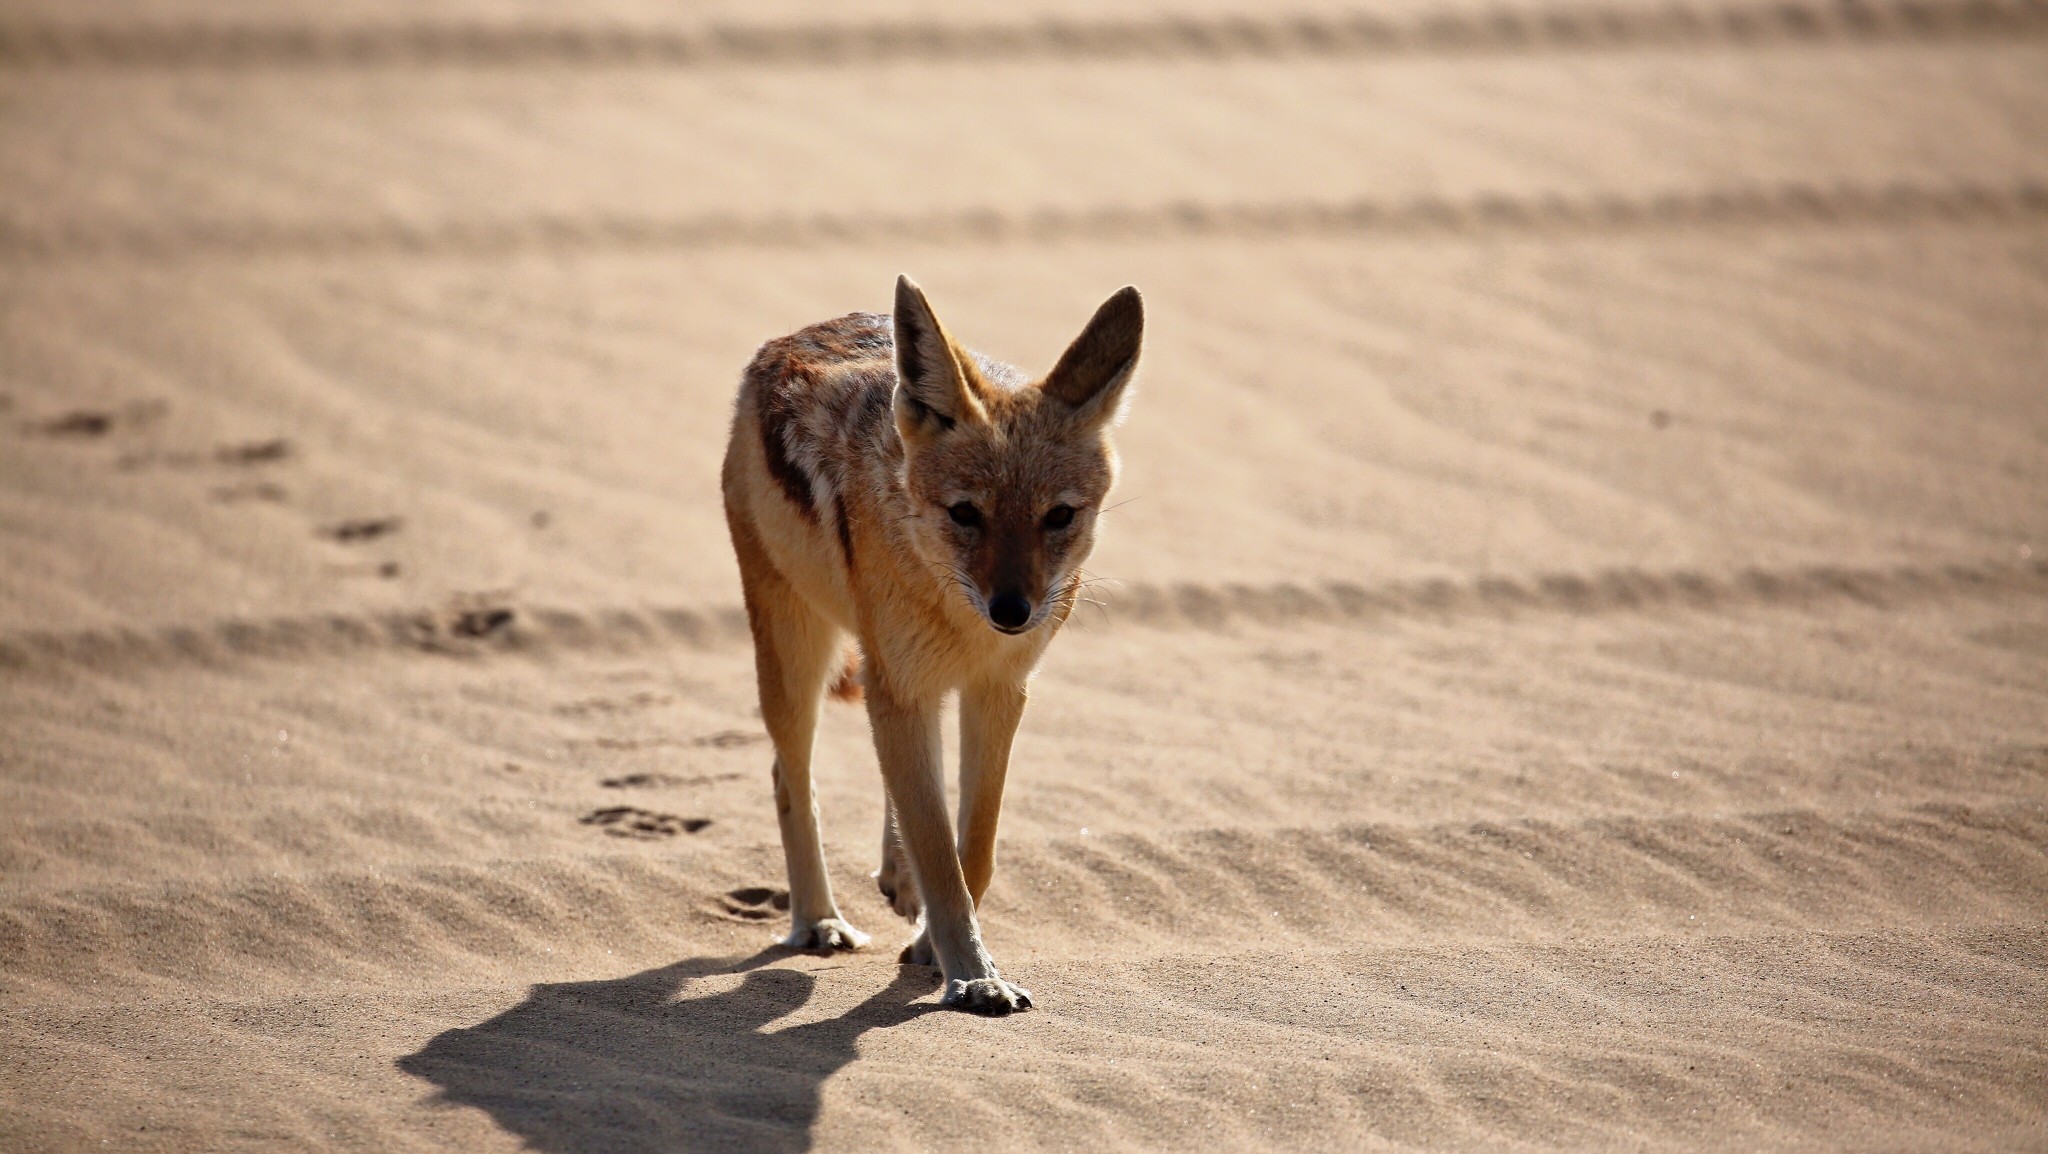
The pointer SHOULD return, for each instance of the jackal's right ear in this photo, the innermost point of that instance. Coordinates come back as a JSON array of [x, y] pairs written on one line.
[[931, 390]]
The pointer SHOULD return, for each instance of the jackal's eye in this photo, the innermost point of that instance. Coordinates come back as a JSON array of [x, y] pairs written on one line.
[[1059, 517], [965, 515]]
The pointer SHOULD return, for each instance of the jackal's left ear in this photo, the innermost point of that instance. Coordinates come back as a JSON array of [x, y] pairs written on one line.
[[1093, 371], [931, 388]]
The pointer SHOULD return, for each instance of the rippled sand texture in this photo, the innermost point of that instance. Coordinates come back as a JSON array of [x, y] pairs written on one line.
[[1574, 673]]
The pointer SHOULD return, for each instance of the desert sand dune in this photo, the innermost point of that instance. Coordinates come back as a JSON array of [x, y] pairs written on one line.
[[1571, 673]]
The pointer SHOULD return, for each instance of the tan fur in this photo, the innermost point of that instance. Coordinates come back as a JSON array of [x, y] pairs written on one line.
[[855, 445]]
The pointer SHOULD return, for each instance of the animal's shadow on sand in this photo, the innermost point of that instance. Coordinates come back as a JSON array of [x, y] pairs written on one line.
[[639, 1064]]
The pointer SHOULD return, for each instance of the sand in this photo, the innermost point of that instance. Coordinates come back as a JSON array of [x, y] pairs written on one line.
[[1573, 670]]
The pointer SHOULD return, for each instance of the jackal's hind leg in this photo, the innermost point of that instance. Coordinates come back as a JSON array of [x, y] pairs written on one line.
[[893, 878]]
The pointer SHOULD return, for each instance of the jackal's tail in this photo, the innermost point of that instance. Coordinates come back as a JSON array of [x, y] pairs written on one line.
[[846, 686]]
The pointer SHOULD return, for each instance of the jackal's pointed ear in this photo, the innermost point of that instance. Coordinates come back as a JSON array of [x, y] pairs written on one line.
[[931, 390], [1093, 371]]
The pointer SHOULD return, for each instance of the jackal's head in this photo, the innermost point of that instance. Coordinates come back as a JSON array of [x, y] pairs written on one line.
[[1006, 479]]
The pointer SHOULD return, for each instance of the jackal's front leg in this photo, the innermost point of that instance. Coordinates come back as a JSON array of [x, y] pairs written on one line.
[[907, 742], [794, 648], [989, 714]]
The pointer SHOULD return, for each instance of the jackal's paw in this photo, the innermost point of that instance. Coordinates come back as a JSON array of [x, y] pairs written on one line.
[[825, 934], [992, 996], [918, 952], [897, 887]]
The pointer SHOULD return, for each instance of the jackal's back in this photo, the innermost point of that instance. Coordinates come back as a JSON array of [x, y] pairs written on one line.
[[819, 402]]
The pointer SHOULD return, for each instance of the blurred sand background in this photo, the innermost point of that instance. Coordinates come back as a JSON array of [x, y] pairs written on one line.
[[1579, 677]]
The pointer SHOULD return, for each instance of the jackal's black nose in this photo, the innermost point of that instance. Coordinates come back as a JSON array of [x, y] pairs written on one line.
[[1009, 610]]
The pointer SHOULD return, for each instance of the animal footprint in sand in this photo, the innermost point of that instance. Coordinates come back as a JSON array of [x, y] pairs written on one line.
[[755, 903], [258, 491], [83, 423], [632, 821], [247, 453], [731, 739], [368, 529], [644, 699], [96, 422], [665, 780], [238, 455], [723, 739]]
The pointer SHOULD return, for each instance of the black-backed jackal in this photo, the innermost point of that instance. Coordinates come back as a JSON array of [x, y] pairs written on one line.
[[885, 483]]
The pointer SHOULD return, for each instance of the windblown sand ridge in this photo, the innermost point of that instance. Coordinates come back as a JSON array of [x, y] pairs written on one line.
[[360, 35], [479, 624], [1572, 671]]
